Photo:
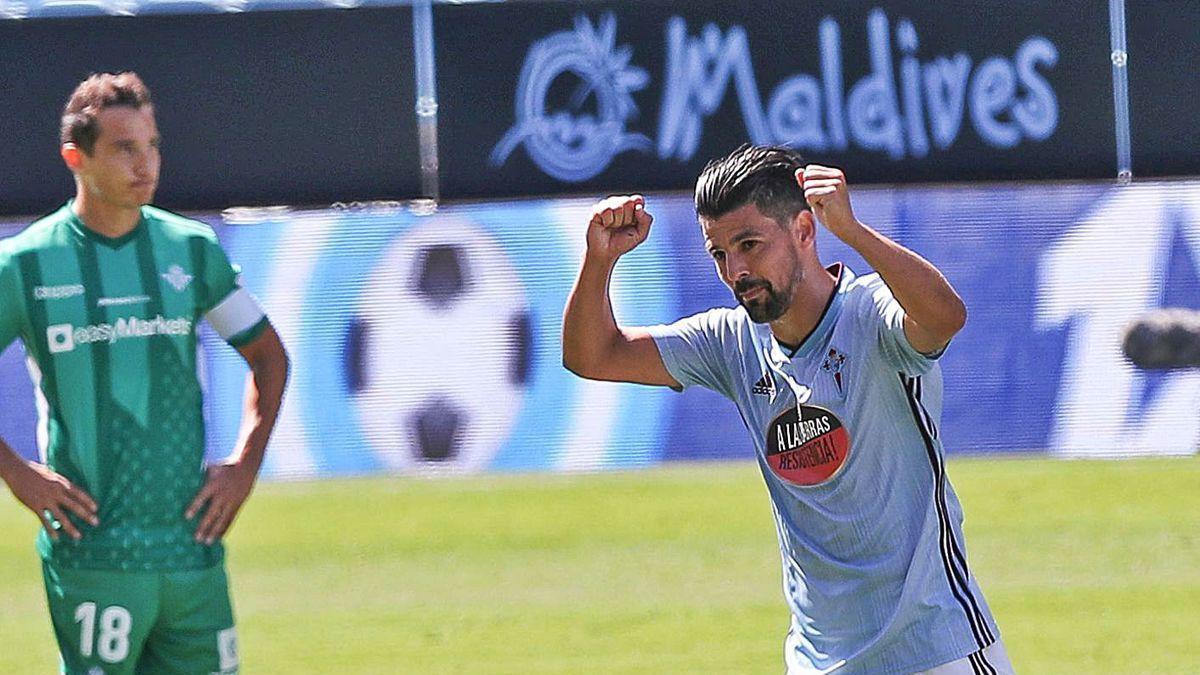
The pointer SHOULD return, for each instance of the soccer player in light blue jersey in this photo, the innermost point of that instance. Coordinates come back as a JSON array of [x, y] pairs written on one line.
[[836, 378]]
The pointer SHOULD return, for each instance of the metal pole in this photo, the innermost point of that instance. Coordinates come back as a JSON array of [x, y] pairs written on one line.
[[1120, 76], [427, 104]]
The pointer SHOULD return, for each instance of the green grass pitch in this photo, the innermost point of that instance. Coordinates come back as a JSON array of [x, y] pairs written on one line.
[[1090, 567]]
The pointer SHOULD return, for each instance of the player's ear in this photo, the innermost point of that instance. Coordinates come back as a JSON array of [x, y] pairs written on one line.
[[804, 229], [72, 155]]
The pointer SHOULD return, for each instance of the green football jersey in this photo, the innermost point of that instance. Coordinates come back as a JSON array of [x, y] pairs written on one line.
[[109, 327]]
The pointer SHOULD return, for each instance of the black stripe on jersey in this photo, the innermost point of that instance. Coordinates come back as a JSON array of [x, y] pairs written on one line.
[[148, 271], [36, 343], [958, 584], [93, 290], [745, 422], [955, 547], [991, 670], [980, 664], [31, 275], [949, 541], [929, 423], [200, 289]]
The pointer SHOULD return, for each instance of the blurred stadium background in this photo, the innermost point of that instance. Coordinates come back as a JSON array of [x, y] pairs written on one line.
[[441, 496]]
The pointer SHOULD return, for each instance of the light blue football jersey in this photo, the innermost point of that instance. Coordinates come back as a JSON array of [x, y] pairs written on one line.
[[845, 431]]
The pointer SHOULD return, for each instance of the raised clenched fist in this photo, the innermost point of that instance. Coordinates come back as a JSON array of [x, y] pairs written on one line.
[[617, 226]]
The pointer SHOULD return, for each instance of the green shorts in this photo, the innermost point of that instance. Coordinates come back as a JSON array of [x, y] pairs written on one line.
[[135, 623]]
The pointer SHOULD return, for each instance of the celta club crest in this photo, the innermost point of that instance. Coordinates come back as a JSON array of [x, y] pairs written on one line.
[[833, 364], [575, 143]]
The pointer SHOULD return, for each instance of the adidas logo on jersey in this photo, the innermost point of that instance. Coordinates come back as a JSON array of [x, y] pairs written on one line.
[[765, 386]]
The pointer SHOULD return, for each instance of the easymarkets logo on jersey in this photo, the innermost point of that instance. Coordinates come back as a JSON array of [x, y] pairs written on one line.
[[65, 337]]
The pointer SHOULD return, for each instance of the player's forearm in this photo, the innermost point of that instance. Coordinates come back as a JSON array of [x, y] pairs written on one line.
[[263, 397], [589, 327], [926, 296], [10, 462]]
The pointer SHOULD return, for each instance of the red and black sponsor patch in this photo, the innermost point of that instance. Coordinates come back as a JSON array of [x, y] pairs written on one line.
[[807, 447]]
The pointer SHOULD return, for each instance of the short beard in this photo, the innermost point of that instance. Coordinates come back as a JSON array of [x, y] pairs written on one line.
[[766, 310]]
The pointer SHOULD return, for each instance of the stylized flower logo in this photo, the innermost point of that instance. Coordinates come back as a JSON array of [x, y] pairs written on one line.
[[572, 144]]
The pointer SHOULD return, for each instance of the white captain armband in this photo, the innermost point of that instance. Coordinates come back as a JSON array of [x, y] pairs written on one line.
[[238, 313]]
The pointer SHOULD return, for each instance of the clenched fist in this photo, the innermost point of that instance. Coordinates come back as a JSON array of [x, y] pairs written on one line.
[[618, 225], [826, 192]]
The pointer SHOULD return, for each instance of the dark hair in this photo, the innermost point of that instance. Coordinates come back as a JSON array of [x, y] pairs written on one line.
[[97, 92], [753, 174]]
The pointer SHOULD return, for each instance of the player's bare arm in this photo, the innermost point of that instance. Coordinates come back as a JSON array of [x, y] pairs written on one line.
[[229, 483], [47, 494], [594, 346], [934, 311]]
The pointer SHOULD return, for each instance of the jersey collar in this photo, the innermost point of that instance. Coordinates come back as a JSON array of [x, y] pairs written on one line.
[[829, 317], [88, 233]]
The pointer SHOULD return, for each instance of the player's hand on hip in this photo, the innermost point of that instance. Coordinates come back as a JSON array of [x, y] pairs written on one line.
[[53, 498], [226, 488], [617, 226], [826, 191]]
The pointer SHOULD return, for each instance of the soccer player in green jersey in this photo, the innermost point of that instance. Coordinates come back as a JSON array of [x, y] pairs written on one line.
[[105, 294]]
